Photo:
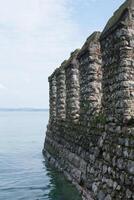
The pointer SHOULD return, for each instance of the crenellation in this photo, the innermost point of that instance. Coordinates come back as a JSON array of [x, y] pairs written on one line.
[[61, 93], [72, 88], [117, 56], [52, 97], [90, 78], [90, 136]]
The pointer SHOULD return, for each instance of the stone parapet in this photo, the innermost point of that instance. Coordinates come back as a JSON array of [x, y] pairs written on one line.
[[90, 78], [117, 47], [90, 137], [52, 97], [72, 88], [61, 93]]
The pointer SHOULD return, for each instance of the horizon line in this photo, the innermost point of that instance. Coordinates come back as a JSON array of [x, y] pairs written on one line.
[[23, 109]]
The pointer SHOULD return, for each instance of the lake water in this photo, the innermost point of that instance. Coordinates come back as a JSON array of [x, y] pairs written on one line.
[[24, 174]]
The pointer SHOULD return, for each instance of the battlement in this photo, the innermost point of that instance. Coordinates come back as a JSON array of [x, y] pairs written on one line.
[[90, 136]]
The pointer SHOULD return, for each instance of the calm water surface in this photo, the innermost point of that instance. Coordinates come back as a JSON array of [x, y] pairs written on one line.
[[24, 175]]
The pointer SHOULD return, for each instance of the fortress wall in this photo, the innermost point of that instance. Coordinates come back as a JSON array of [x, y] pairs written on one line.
[[75, 144], [118, 101], [94, 148]]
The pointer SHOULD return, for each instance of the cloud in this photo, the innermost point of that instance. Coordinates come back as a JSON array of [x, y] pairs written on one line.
[[2, 87], [35, 31], [35, 37]]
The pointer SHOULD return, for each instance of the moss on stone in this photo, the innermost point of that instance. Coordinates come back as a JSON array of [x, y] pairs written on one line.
[[99, 119]]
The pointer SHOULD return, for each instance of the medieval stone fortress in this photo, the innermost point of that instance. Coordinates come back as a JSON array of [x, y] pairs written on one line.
[[90, 135]]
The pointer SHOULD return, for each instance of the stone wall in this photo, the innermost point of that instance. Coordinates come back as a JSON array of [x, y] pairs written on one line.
[[52, 97], [61, 93], [72, 88], [117, 42], [93, 92], [89, 58]]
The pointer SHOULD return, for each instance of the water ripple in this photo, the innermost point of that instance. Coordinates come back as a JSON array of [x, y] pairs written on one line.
[[24, 174]]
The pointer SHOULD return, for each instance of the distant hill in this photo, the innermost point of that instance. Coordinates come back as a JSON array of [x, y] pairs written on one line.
[[23, 109]]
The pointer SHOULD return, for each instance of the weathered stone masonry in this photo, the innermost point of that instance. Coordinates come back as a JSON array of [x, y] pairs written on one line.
[[117, 41], [90, 135], [52, 97], [72, 88], [89, 58], [61, 94]]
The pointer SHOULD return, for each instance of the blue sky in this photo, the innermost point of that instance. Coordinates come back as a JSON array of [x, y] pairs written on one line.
[[36, 36]]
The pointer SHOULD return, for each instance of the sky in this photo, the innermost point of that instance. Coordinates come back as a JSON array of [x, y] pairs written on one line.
[[36, 36]]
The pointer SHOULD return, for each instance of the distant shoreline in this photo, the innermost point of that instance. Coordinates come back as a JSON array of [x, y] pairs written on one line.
[[23, 110]]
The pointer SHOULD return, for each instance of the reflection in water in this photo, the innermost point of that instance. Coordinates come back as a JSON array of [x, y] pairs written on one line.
[[60, 189], [24, 175]]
